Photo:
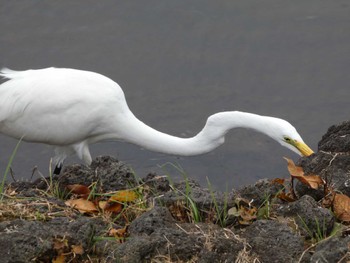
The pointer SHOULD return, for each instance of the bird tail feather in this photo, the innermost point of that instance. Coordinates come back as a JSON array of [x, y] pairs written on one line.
[[11, 74]]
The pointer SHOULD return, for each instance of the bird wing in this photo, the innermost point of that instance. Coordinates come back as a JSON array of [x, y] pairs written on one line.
[[57, 106]]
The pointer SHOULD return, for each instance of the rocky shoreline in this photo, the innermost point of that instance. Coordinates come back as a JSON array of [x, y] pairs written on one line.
[[177, 222]]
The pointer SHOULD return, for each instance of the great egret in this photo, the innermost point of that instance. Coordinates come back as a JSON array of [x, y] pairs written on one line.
[[71, 109]]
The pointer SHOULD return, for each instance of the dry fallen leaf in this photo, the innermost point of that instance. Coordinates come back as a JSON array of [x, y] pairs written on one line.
[[83, 205], [297, 172], [123, 196], [233, 211], [77, 249], [313, 181], [278, 181], [102, 204], [288, 197], [120, 234], [341, 207], [117, 232], [11, 192], [293, 169], [60, 244], [247, 215], [244, 211], [59, 259], [179, 211], [79, 189], [110, 206]]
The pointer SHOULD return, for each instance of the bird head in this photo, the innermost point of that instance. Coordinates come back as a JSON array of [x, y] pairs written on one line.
[[288, 137], [296, 145]]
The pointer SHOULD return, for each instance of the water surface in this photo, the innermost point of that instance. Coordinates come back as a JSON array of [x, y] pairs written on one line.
[[180, 61]]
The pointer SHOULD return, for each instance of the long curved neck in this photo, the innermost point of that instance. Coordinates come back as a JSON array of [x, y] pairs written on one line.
[[210, 137]]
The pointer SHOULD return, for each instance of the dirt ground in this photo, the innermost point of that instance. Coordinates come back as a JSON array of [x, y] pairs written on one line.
[[104, 213]]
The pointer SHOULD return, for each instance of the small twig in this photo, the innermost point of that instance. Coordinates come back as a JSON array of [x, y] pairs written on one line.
[[36, 170], [306, 250], [328, 179], [312, 246], [182, 228], [331, 161], [344, 257], [12, 173], [169, 243]]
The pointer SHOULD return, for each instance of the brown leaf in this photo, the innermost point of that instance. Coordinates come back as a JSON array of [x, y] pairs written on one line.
[[278, 181], [77, 249], [102, 204], [79, 189], [11, 192], [120, 234], [313, 181], [59, 259], [285, 197], [117, 232], [110, 206], [293, 169], [341, 207], [179, 211], [84, 206], [327, 201], [124, 196], [247, 215], [297, 172], [60, 244]]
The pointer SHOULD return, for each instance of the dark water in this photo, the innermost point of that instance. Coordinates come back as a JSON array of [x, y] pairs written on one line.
[[180, 61]]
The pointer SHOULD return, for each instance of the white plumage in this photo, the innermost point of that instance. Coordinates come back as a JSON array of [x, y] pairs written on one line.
[[70, 109]]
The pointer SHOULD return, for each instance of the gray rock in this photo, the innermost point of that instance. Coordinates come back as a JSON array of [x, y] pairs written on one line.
[[274, 242], [109, 174], [332, 162], [336, 139], [259, 192], [312, 219], [152, 221], [332, 167], [156, 234], [25, 241], [332, 250]]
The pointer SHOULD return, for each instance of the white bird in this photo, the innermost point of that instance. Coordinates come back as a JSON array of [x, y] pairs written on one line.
[[71, 109]]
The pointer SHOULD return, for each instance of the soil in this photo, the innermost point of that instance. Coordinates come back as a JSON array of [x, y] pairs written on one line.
[[179, 222]]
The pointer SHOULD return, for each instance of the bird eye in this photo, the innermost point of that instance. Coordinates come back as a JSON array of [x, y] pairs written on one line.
[[287, 139]]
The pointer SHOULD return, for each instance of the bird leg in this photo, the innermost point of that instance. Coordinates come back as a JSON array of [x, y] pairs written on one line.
[[58, 169]]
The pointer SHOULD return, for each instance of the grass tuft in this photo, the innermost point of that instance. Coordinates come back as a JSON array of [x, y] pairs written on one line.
[[8, 168], [221, 212]]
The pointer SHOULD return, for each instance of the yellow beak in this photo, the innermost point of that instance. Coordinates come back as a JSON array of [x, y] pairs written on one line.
[[303, 148]]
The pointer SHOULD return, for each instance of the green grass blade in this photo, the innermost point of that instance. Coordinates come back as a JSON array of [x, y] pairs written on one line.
[[8, 167]]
